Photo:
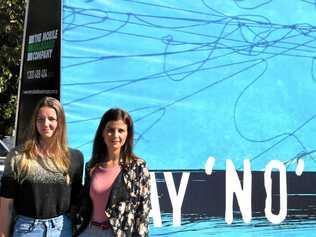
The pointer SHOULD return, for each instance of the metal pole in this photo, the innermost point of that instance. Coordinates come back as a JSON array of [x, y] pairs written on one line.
[[20, 75]]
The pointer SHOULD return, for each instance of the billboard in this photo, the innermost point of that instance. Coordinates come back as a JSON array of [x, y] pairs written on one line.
[[223, 99]]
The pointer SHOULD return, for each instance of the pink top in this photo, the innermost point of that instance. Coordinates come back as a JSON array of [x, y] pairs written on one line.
[[100, 188]]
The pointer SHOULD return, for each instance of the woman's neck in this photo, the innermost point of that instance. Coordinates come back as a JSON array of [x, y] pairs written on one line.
[[44, 146], [112, 160]]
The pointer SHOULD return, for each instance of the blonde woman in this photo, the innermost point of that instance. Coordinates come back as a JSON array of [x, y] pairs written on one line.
[[42, 179], [116, 193]]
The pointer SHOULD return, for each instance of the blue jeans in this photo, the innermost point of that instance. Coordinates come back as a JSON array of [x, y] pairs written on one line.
[[59, 226]]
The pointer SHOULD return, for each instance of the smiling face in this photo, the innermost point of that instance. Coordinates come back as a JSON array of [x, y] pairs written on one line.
[[114, 135], [46, 122]]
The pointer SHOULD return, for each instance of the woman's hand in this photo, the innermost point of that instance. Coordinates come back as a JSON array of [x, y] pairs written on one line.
[[6, 207]]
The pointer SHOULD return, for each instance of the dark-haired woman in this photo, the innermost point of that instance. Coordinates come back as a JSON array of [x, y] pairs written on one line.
[[116, 189], [42, 178]]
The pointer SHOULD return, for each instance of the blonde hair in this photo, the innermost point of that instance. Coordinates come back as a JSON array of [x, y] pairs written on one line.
[[58, 151]]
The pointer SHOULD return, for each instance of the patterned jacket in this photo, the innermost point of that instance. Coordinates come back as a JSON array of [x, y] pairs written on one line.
[[129, 202]]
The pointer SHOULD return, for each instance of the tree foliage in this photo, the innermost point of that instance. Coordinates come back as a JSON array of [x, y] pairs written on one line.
[[11, 35]]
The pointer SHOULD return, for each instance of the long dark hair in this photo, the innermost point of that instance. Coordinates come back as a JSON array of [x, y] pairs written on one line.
[[99, 151]]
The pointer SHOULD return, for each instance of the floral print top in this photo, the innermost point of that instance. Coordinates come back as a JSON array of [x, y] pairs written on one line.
[[129, 203]]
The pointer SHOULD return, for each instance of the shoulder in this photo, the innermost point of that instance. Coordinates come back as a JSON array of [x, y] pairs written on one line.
[[18, 150], [138, 162], [12, 159], [75, 154], [76, 157], [15, 154], [139, 166]]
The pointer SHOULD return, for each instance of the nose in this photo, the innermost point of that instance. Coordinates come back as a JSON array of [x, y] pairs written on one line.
[[46, 122], [115, 133]]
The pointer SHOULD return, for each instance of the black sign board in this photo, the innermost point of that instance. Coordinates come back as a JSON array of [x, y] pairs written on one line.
[[40, 72]]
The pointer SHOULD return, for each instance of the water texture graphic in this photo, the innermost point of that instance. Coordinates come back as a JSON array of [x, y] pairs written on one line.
[[229, 79]]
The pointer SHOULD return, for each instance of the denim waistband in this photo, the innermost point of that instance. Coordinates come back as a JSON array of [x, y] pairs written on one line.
[[56, 226], [54, 221]]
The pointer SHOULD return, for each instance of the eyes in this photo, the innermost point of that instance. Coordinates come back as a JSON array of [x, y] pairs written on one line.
[[43, 119], [113, 130]]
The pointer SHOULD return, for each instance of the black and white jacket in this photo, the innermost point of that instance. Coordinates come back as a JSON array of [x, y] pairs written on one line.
[[129, 202]]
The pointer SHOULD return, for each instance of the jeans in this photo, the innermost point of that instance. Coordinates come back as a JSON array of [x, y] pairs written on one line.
[[59, 226], [94, 231]]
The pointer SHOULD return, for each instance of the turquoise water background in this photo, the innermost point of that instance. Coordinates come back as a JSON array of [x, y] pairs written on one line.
[[228, 79]]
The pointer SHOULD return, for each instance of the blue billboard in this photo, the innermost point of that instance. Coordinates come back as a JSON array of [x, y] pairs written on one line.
[[212, 86]]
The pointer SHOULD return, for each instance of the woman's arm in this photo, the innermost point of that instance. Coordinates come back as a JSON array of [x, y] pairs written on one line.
[[6, 207], [142, 212], [8, 192], [76, 187], [76, 190], [85, 207]]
